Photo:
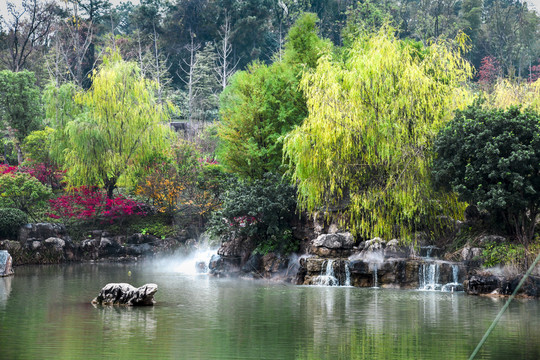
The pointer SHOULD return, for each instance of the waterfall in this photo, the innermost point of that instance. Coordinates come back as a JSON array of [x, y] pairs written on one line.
[[327, 276], [455, 285], [455, 270], [375, 280], [429, 276], [347, 274]]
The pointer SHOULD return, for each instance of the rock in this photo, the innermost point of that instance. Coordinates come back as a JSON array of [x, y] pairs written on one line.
[[5, 263], [394, 250], [253, 264], [482, 284], [224, 266], [200, 267], [41, 231], [108, 247], [126, 294], [141, 239], [471, 254], [491, 239], [375, 244], [57, 243], [33, 244], [485, 283], [333, 229], [139, 249], [334, 241], [272, 263]]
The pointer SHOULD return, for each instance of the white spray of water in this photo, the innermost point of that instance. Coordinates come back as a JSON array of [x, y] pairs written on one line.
[[195, 263]]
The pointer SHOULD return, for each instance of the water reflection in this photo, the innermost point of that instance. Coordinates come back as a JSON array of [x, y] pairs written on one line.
[[45, 312], [126, 321], [5, 289]]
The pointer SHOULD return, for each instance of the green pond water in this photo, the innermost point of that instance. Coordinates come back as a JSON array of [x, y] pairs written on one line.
[[45, 313]]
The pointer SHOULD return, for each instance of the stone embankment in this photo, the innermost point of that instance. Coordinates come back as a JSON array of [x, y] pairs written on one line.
[[46, 243]]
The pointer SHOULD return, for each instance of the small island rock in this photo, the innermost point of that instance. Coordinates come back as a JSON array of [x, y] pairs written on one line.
[[126, 294]]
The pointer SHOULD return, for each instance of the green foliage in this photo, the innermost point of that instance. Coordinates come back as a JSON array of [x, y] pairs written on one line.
[[503, 254], [20, 104], [10, 222], [23, 191], [491, 158], [261, 209], [60, 109], [365, 17], [36, 145], [364, 149], [304, 46], [258, 107], [120, 126]]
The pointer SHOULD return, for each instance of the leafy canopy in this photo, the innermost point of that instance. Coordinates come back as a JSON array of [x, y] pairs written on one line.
[[263, 103], [20, 102], [491, 158], [23, 191], [115, 127], [261, 209], [365, 147]]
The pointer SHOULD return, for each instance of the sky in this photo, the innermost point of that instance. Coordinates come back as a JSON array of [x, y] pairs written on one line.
[[3, 4]]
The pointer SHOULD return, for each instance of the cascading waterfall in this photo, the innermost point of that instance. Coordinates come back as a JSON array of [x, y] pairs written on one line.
[[374, 267], [327, 277], [429, 277], [455, 285], [347, 274]]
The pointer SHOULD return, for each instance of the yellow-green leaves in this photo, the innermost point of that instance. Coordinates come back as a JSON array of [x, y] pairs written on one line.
[[507, 93], [119, 124], [365, 146]]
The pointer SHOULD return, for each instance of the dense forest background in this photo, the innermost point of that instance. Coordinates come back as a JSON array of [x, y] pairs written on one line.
[[192, 47]]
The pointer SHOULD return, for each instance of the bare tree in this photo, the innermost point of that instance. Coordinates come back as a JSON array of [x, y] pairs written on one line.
[[224, 66], [74, 39], [160, 67], [190, 78], [28, 27]]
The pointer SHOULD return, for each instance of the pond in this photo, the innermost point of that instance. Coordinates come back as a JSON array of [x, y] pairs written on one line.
[[45, 313]]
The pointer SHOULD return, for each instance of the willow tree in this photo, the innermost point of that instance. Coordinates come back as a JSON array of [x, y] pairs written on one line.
[[117, 127], [507, 93], [364, 150]]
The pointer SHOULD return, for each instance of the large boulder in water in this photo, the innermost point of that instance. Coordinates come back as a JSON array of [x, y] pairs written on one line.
[[5, 263], [126, 294]]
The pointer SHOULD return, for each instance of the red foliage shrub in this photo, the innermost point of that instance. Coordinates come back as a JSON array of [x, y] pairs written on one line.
[[47, 174], [91, 203], [8, 169], [489, 71]]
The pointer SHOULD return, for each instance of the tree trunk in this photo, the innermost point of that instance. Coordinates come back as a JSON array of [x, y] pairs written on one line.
[[20, 156]]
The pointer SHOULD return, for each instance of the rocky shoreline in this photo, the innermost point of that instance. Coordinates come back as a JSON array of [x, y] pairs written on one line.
[[45, 243], [334, 260], [329, 259]]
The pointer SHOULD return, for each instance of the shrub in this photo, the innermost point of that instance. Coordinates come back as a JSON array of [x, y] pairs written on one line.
[[90, 204], [7, 169], [10, 221], [491, 159], [22, 191], [261, 209], [504, 254]]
